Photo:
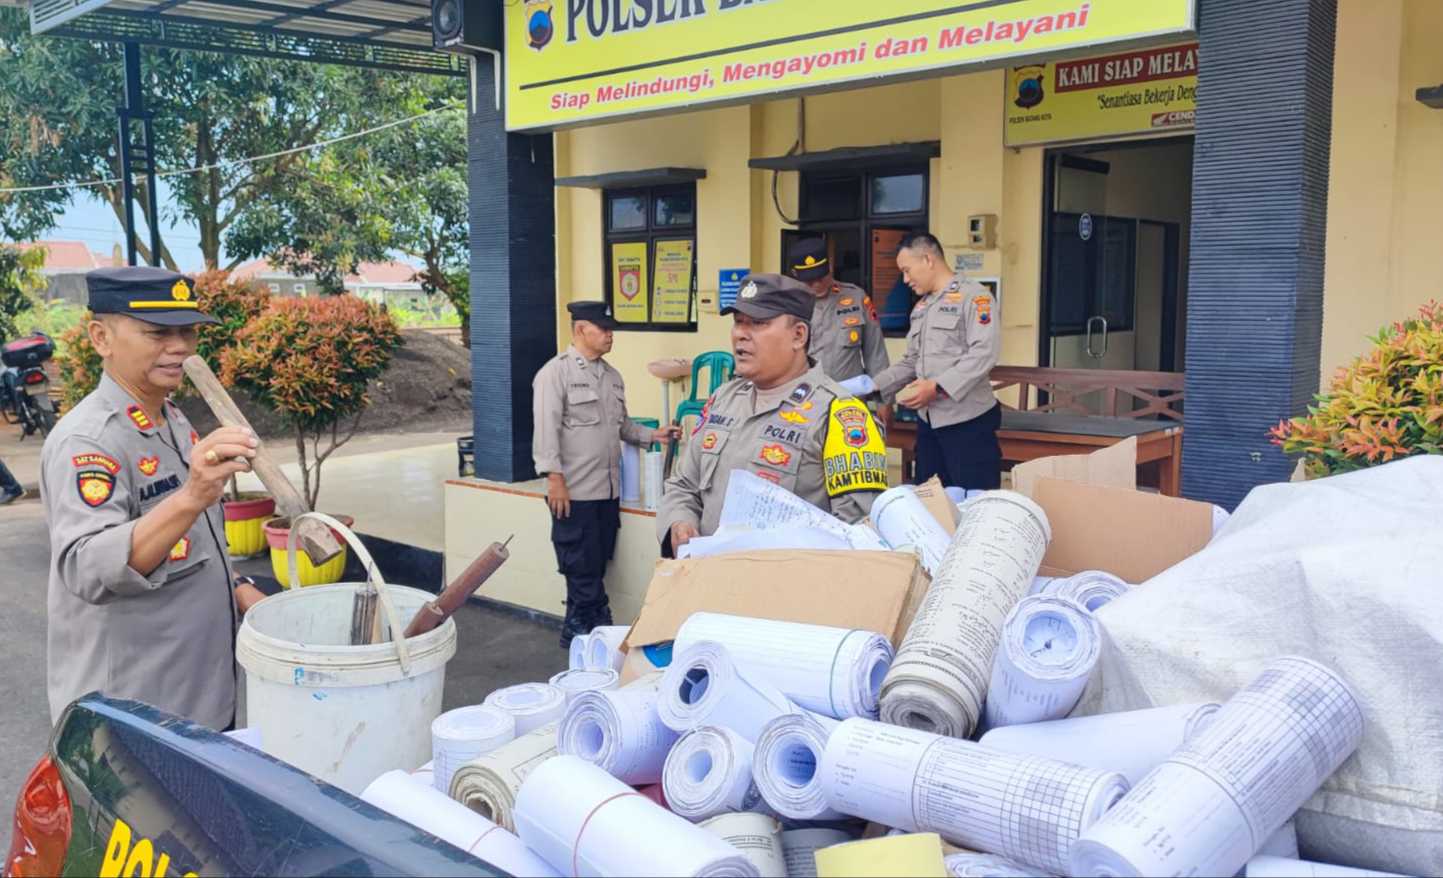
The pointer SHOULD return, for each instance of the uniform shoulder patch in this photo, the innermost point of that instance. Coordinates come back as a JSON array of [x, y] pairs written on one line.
[[181, 550], [138, 417], [92, 460], [95, 487], [854, 455]]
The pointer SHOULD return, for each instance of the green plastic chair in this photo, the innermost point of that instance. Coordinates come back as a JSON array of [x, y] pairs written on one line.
[[721, 365]]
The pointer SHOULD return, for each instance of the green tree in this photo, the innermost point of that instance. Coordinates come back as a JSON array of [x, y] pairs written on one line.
[[58, 125], [19, 279]]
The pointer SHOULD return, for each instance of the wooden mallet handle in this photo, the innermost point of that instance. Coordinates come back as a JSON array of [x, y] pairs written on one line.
[[449, 601], [317, 541]]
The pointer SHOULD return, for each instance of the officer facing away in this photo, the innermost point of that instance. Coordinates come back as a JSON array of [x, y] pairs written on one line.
[[579, 404], [140, 600], [846, 337], [951, 349], [781, 419]]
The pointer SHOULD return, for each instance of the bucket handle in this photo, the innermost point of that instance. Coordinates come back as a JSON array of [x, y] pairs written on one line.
[[373, 574]]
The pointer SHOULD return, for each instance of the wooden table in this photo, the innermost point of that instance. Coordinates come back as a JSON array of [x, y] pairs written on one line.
[[1027, 436]]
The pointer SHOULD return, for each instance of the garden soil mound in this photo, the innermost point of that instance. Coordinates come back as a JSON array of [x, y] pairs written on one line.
[[426, 388]]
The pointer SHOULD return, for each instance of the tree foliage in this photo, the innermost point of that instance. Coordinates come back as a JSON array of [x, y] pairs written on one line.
[[310, 361], [318, 211], [19, 279], [1386, 405]]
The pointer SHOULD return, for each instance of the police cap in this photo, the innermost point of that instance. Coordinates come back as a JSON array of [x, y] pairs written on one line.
[[154, 295], [808, 260], [592, 312], [764, 296]]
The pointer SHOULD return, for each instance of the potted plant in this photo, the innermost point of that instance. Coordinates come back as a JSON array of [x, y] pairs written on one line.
[[309, 361], [1386, 405]]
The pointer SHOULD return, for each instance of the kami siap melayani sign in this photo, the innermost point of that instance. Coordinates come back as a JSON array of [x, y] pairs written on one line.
[[1150, 91], [574, 61]]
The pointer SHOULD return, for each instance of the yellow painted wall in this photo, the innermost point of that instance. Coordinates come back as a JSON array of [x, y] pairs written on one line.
[[1385, 195], [739, 225]]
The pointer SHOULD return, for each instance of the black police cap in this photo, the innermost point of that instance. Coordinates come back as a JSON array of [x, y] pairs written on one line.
[[807, 259], [764, 296], [592, 312], [153, 295]]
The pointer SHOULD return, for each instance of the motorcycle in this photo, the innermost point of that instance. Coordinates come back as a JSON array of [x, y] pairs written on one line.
[[24, 386]]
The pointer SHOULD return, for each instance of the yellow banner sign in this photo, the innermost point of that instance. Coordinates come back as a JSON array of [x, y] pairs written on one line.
[[575, 61], [628, 282], [1143, 92], [672, 280]]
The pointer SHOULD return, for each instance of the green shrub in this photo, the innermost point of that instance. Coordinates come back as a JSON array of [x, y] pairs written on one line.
[[1386, 405], [310, 361]]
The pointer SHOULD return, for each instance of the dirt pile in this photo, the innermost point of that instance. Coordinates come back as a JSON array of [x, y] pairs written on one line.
[[427, 387]]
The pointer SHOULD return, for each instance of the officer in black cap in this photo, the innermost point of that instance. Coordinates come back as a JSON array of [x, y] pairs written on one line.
[[781, 419], [579, 404], [847, 340], [140, 598]]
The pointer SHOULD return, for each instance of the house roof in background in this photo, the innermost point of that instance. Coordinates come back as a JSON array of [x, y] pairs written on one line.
[[368, 274], [64, 257]]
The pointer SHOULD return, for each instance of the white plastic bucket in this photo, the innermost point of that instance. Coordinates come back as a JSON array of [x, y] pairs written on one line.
[[346, 714]]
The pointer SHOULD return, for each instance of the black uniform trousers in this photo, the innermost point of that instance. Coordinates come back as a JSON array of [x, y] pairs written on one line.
[[584, 543], [965, 455]]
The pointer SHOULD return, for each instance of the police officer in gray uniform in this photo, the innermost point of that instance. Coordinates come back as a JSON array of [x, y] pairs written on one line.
[[579, 406], [847, 340], [951, 348], [140, 601], [782, 419]]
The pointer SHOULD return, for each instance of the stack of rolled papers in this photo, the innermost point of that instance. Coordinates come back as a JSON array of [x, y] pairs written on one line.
[[972, 865], [703, 686], [1263, 754], [757, 836], [576, 653], [603, 648], [1090, 589], [533, 705], [1047, 653], [403, 795], [583, 821], [784, 766], [1131, 743], [939, 678], [973, 796], [902, 520], [488, 783], [799, 846], [575, 682], [460, 735], [619, 731], [709, 772], [1288, 867], [832, 671]]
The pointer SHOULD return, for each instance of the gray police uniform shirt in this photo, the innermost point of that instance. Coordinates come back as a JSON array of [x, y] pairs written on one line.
[[580, 422], [953, 340], [166, 638], [807, 436], [846, 340]]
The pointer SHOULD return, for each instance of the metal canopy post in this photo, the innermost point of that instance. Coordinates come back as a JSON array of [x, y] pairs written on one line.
[[137, 158]]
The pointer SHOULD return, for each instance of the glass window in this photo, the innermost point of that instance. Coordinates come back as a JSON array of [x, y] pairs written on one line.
[[298, 289], [902, 193], [835, 198], [676, 209], [626, 213]]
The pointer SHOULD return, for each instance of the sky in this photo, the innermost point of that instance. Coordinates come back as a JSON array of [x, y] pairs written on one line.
[[91, 220]]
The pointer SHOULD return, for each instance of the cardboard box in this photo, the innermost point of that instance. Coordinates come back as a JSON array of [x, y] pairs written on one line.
[[935, 500], [1131, 534], [1114, 466], [873, 591]]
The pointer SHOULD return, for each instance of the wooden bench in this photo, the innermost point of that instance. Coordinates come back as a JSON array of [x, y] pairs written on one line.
[[1084, 410]]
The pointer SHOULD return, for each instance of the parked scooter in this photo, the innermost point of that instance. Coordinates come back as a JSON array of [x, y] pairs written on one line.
[[24, 386]]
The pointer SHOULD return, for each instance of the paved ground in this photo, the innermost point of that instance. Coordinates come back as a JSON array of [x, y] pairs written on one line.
[[495, 648]]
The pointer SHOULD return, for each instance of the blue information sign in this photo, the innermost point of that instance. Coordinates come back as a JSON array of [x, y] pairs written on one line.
[[729, 285]]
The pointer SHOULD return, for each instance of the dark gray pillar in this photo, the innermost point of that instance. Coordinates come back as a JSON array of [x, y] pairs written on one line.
[[513, 281], [1260, 199]]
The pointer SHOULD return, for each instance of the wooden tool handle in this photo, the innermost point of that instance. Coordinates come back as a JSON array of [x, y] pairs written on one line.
[[319, 544], [454, 596]]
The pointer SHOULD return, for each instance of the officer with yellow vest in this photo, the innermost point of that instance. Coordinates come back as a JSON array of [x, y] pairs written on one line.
[[782, 419], [140, 601]]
